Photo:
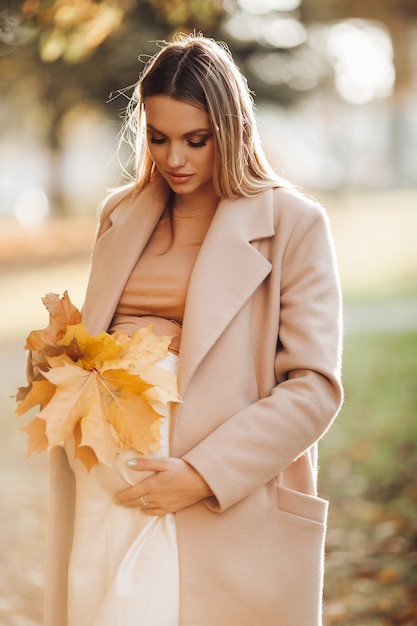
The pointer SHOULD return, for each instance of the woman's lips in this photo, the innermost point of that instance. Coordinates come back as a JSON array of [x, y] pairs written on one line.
[[178, 178]]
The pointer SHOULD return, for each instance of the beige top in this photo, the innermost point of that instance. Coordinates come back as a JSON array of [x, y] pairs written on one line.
[[156, 290]]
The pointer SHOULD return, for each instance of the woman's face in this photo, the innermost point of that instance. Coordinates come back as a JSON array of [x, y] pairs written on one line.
[[180, 140]]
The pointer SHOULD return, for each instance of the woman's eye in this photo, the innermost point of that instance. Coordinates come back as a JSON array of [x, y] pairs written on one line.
[[198, 144], [193, 144]]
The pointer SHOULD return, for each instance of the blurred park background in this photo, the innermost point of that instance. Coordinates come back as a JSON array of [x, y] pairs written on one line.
[[335, 86]]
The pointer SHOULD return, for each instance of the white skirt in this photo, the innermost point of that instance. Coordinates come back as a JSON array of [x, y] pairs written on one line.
[[124, 564]]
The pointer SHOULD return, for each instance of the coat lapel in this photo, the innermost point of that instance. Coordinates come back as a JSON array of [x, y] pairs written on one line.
[[117, 251], [228, 270]]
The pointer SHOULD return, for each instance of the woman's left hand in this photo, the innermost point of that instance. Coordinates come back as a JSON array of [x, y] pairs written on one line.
[[174, 486]]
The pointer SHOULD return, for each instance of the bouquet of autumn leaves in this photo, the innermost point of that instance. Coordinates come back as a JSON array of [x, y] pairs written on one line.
[[103, 390]]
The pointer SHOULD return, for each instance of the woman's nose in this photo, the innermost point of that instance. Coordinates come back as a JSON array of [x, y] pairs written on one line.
[[176, 156]]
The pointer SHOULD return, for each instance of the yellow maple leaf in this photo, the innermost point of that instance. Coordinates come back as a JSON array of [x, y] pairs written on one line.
[[112, 413], [93, 351], [140, 356], [143, 345], [133, 418], [38, 393], [37, 439], [66, 405]]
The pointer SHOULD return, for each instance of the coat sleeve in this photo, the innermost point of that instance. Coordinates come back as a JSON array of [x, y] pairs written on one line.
[[256, 444]]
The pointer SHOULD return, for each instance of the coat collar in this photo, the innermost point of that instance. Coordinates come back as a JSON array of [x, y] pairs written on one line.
[[227, 272]]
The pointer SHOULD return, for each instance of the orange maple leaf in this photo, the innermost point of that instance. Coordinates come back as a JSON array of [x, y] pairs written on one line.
[[105, 391], [85, 454], [62, 313]]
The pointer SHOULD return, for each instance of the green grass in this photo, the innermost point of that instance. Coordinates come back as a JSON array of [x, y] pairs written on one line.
[[399, 287], [376, 431], [369, 473]]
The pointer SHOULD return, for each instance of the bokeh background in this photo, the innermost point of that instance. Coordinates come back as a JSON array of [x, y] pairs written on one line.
[[335, 86]]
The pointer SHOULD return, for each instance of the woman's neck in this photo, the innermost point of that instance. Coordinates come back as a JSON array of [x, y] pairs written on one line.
[[199, 201]]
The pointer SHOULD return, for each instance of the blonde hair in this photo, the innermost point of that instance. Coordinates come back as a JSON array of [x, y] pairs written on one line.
[[201, 72]]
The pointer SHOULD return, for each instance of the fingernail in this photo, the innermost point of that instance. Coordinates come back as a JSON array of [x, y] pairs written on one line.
[[132, 462]]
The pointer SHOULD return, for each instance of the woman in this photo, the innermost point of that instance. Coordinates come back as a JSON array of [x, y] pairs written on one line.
[[212, 248]]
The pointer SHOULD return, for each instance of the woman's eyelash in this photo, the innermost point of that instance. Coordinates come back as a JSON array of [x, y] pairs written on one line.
[[198, 144], [192, 144]]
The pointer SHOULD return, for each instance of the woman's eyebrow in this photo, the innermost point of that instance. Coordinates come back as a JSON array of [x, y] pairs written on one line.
[[196, 131]]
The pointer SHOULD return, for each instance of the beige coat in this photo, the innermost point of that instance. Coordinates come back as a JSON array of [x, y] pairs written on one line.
[[259, 375]]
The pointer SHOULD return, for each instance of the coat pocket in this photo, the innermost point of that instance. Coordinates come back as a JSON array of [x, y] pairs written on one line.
[[302, 505], [300, 529]]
